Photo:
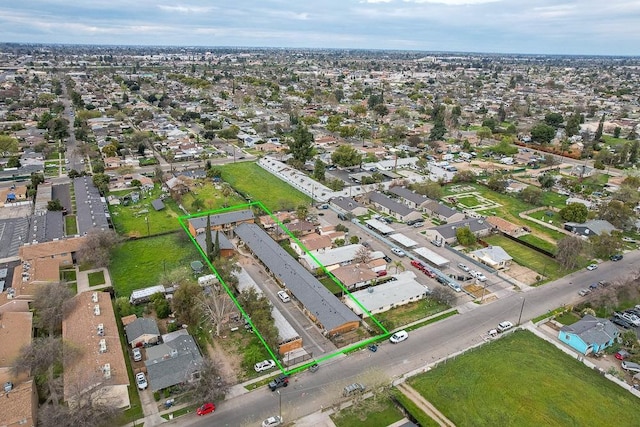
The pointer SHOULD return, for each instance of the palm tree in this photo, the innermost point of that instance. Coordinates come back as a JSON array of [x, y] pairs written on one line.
[[398, 265]]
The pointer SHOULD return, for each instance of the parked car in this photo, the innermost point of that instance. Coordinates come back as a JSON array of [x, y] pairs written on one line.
[[593, 286], [398, 251], [272, 421], [205, 409], [279, 381], [620, 322], [622, 354], [141, 380], [265, 365], [630, 366], [284, 297], [437, 243], [584, 292], [386, 258], [137, 355], [616, 257], [314, 367], [351, 389], [381, 273], [481, 277], [592, 267], [463, 267], [418, 224], [504, 326], [631, 318], [399, 336]]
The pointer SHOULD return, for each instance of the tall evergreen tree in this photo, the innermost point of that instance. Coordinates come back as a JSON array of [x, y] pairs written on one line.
[[598, 134], [215, 253], [207, 239]]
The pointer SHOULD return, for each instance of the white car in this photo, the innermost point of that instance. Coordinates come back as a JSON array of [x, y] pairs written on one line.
[[284, 297], [397, 251], [141, 380], [137, 355], [272, 421], [631, 318], [592, 267], [504, 326], [399, 336], [463, 267], [481, 277], [265, 365]]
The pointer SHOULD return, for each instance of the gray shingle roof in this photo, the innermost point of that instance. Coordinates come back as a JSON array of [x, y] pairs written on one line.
[[172, 363], [448, 231], [321, 303], [407, 194], [440, 209], [157, 204], [346, 203], [91, 208], [141, 326], [46, 227], [389, 203], [224, 242], [598, 226], [222, 218], [593, 330]]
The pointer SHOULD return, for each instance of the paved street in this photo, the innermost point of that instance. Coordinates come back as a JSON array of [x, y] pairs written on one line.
[[311, 392]]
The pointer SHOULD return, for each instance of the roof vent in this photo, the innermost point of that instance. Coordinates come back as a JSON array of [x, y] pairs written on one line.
[[101, 329], [103, 345], [174, 353], [96, 309], [94, 297]]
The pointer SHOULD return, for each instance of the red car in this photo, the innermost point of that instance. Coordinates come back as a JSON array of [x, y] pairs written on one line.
[[381, 273], [207, 408]]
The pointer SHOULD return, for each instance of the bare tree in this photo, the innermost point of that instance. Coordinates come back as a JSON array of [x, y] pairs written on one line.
[[210, 386], [569, 250], [50, 303], [96, 249], [444, 295], [216, 307], [363, 255]]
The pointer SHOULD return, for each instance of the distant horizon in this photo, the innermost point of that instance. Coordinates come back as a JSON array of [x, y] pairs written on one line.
[[526, 27], [381, 50]]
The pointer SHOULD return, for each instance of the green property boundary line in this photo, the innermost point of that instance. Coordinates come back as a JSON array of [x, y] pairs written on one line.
[[184, 221]]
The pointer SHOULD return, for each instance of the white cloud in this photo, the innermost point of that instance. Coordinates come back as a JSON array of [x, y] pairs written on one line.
[[453, 2], [186, 9]]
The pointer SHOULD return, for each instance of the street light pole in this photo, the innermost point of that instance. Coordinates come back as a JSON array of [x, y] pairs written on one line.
[[280, 399], [521, 310]]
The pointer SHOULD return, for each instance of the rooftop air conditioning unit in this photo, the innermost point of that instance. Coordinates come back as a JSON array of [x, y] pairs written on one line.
[[94, 297], [106, 370], [96, 309], [103, 345], [101, 329]]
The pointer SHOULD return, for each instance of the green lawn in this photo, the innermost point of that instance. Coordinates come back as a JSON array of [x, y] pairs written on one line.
[[71, 226], [140, 263], [132, 220], [539, 243], [211, 199], [405, 314], [520, 380], [423, 419], [526, 257], [259, 185], [373, 412], [96, 278]]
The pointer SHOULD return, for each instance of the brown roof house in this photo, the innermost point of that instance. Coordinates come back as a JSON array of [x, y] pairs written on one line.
[[18, 397], [98, 371]]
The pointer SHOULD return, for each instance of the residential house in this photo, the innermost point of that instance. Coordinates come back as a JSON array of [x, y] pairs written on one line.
[[301, 228], [314, 243], [447, 232], [226, 248], [178, 185], [177, 361], [142, 331], [589, 335], [98, 369], [443, 212], [410, 198], [506, 227], [590, 228], [393, 208], [223, 221], [19, 403], [354, 276], [349, 206], [493, 256]]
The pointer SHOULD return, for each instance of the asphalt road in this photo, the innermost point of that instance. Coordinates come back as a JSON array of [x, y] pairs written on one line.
[[309, 392]]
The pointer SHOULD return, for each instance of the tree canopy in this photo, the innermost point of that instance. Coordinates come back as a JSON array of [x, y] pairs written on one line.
[[574, 212], [542, 133], [301, 148], [345, 156]]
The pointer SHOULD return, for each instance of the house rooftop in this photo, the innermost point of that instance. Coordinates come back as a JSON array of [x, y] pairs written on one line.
[[592, 329], [15, 333], [172, 363], [391, 204], [200, 223]]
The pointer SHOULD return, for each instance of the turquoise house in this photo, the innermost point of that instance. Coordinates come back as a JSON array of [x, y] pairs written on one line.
[[589, 335]]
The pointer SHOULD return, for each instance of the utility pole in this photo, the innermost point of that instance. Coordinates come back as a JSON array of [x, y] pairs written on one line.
[[521, 310]]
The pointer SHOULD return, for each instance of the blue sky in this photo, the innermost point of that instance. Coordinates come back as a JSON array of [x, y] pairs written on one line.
[[599, 27]]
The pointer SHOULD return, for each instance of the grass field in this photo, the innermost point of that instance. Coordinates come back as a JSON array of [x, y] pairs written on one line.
[[492, 386], [96, 278], [539, 243], [258, 184], [132, 220], [526, 257], [211, 198], [71, 226], [408, 313], [140, 263], [372, 412]]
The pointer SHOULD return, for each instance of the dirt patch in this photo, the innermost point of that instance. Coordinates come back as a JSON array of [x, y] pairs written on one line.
[[228, 363], [523, 274]]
